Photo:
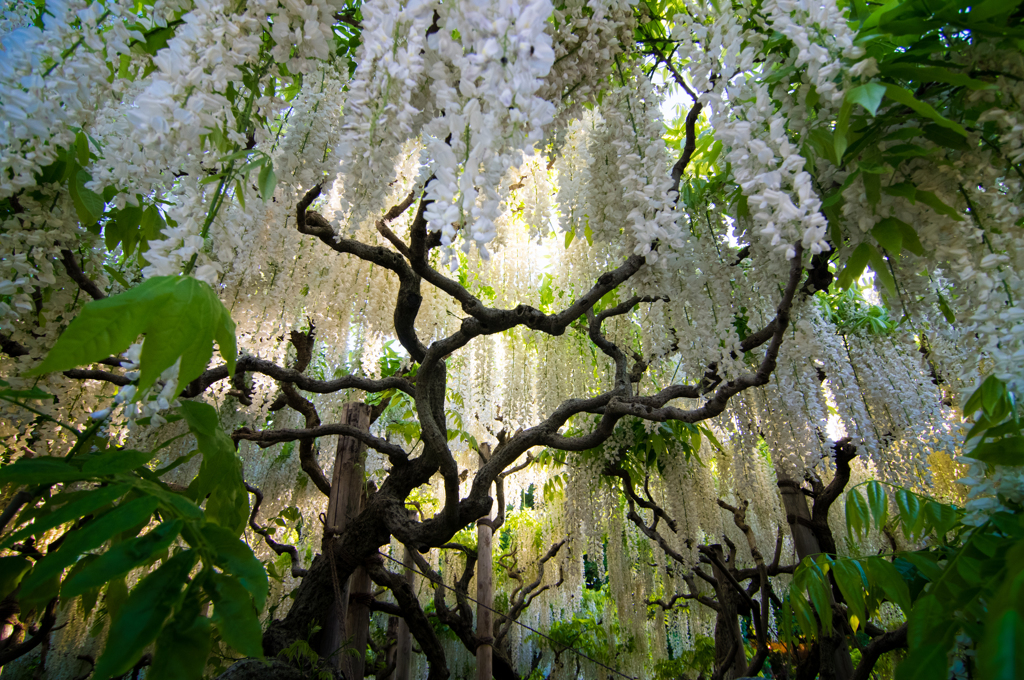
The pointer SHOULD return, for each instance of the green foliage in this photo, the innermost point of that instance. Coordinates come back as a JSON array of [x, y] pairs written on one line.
[[968, 581], [95, 510], [852, 313], [697, 661], [180, 316]]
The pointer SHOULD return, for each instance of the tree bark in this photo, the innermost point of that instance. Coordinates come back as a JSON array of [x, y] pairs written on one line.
[[730, 659]]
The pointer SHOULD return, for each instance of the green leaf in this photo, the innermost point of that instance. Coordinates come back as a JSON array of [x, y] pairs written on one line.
[[79, 507], [910, 240], [842, 128], [116, 461], [933, 202], [142, 616], [12, 569], [267, 181], [128, 220], [905, 189], [40, 471], [90, 597], [220, 474], [183, 646], [924, 663], [880, 266], [854, 266], [872, 184], [237, 559], [888, 236], [234, 614], [92, 535], [883, 574], [851, 584], [82, 148], [1001, 652], [88, 204], [940, 517], [151, 223], [910, 512], [818, 590], [857, 517], [1006, 451], [180, 316], [869, 96], [879, 503], [155, 40], [947, 312], [925, 563], [905, 97], [921, 74], [122, 558]]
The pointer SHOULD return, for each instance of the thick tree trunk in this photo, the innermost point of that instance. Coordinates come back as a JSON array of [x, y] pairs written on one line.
[[835, 661], [799, 517], [730, 659]]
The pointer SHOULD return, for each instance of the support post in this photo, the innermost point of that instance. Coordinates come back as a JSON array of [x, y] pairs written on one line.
[[403, 644], [346, 492], [485, 598]]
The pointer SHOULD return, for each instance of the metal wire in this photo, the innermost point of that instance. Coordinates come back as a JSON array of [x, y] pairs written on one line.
[[522, 625]]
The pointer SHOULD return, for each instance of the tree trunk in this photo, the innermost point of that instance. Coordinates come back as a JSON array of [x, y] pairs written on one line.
[[346, 496], [729, 654], [799, 517], [835, 663]]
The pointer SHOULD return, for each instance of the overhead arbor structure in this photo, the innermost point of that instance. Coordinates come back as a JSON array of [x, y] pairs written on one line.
[[637, 290]]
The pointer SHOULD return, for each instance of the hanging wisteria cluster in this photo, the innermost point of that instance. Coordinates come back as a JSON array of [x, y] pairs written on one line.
[[525, 144]]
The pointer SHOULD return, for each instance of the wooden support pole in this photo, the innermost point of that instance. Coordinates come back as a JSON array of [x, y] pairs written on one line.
[[485, 598], [357, 622], [403, 644], [346, 493]]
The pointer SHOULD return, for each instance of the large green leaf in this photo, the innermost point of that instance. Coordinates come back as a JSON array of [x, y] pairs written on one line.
[[854, 266], [237, 559], [1001, 653], [884, 575], [141, 617], [122, 558], [851, 584], [81, 506], [905, 97], [12, 569], [869, 96], [910, 512], [88, 204], [183, 646], [40, 470], [116, 461], [1006, 451], [95, 533], [220, 474], [180, 316], [234, 614], [858, 518], [879, 503]]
